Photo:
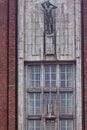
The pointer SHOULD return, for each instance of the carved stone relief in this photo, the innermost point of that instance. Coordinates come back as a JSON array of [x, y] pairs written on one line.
[[53, 26]]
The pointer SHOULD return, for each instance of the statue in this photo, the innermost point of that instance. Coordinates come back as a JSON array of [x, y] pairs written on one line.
[[48, 7]]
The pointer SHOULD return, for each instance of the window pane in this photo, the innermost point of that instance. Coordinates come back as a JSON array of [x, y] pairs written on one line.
[[31, 104], [37, 69], [66, 76], [34, 104], [37, 77], [47, 76], [47, 68], [53, 68], [66, 103], [31, 125], [47, 84], [37, 84], [50, 125], [66, 125], [63, 84], [50, 76], [34, 76], [53, 84], [34, 125]]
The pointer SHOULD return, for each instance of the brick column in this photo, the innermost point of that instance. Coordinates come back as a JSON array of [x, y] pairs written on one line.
[[8, 62], [3, 64], [12, 62]]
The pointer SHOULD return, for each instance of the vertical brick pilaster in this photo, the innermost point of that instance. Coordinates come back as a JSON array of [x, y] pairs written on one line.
[[12, 67], [8, 65], [3, 64]]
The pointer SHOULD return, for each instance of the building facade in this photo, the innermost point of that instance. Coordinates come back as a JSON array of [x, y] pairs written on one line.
[[43, 65]]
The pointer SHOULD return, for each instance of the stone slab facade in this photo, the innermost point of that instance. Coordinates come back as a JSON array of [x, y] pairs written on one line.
[[84, 40], [8, 64]]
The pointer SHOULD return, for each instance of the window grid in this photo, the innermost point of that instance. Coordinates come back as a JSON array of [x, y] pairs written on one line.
[[50, 124], [50, 76], [34, 76], [66, 103], [66, 76], [34, 104], [34, 125], [66, 124]]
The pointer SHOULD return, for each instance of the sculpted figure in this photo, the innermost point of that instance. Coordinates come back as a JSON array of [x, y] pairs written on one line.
[[48, 7]]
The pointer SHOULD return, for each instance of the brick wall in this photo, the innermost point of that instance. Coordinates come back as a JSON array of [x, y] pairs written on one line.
[[8, 65], [84, 27], [3, 65], [12, 66]]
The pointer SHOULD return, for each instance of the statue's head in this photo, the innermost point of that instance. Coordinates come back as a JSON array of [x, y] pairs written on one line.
[[48, 3]]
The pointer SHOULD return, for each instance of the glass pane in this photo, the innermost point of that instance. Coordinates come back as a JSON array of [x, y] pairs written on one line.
[[31, 85], [47, 69], [34, 76], [63, 84], [66, 125], [53, 96], [53, 83], [31, 125], [69, 68], [31, 69], [34, 104], [50, 125], [62, 68], [62, 76], [34, 125], [37, 69], [53, 76], [69, 124], [47, 77], [37, 125], [37, 77], [66, 103], [69, 79], [47, 84], [66, 76], [31, 104], [37, 103], [37, 84], [53, 68]]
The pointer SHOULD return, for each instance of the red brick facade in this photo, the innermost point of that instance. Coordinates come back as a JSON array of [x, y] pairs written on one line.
[[8, 65]]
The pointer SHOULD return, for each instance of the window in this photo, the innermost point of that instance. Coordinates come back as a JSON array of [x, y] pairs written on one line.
[[50, 97], [66, 103], [66, 125], [50, 125], [34, 125], [34, 104], [66, 76], [34, 76], [50, 76]]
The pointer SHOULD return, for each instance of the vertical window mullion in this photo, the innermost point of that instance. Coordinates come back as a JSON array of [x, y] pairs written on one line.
[[34, 124], [34, 76], [66, 124], [34, 105], [65, 76], [66, 103], [50, 76]]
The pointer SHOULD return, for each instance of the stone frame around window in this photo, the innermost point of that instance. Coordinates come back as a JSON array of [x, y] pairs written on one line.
[[58, 90]]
